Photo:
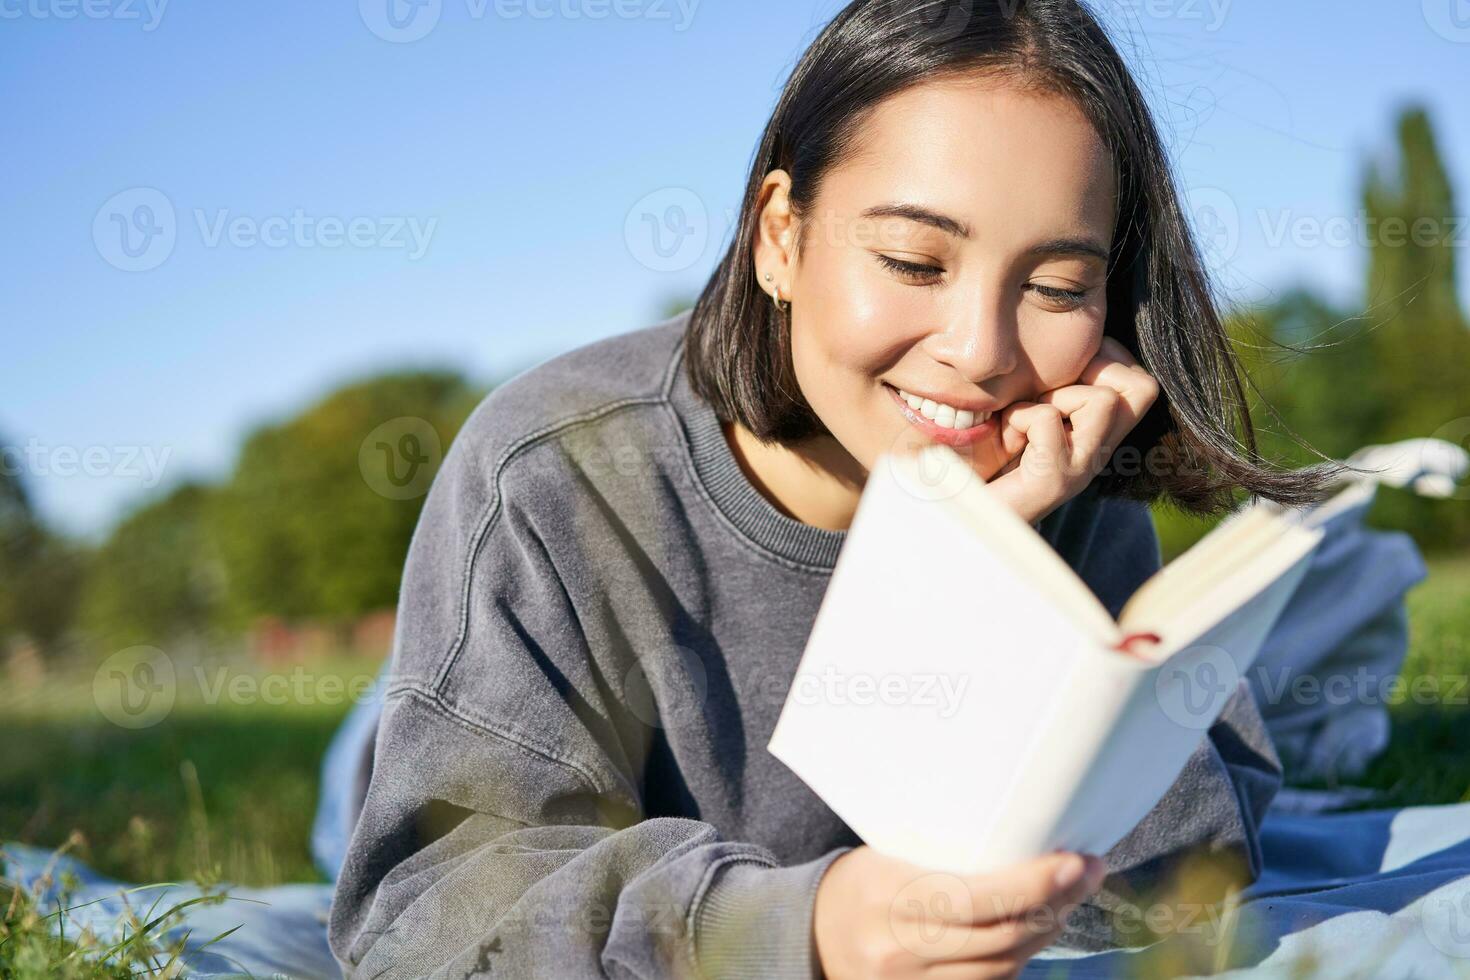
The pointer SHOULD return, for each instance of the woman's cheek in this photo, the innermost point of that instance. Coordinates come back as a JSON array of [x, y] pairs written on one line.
[[1061, 358]]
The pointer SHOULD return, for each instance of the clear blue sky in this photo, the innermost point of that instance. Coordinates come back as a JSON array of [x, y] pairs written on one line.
[[517, 136]]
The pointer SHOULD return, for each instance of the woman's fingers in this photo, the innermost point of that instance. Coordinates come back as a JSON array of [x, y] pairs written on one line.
[[1114, 367], [1100, 419], [1011, 891]]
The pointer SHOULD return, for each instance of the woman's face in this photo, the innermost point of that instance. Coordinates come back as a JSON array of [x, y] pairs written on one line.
[[960, 257]]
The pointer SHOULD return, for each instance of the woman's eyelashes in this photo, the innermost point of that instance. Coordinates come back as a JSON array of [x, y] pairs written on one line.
[[919, 274], [1068, 299], [913, 272]]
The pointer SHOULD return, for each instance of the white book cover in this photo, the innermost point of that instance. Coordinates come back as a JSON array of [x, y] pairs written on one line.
[[962, 702]]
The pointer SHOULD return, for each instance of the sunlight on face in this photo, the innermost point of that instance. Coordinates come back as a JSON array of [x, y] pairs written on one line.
[[994, 297]]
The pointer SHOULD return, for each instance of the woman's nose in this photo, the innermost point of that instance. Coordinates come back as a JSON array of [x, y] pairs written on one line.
[[980, 346]]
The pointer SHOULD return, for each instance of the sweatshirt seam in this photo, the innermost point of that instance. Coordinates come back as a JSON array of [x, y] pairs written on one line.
[[443, 707], [493, 509]]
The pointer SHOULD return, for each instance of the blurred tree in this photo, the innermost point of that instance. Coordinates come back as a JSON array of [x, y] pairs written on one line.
[[1399, 369], [674, 304], [40, 571], [1417, 340], [308, 525], [157, 575]]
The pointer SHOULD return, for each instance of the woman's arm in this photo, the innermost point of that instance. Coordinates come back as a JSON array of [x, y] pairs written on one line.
[[503, 830]]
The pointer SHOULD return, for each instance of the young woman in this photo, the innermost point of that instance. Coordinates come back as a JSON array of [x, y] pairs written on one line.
[[960, 227]]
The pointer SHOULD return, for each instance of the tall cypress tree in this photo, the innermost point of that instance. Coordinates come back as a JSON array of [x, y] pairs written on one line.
[[1418, 336]]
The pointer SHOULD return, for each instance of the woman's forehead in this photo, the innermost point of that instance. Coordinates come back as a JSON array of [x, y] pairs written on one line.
[[984, 152]]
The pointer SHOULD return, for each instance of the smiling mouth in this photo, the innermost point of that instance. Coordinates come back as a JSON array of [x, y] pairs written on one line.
[[936, 428]]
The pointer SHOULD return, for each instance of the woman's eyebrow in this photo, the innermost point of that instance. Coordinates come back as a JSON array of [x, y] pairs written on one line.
[[1070, 246], [915, 212], [953, 226]]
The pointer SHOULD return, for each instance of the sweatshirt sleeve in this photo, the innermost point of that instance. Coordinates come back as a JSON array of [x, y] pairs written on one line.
[[1212, 811], [502, 832]]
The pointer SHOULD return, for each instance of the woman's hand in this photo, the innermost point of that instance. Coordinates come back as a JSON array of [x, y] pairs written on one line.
[[883, 918], [1059, 442]]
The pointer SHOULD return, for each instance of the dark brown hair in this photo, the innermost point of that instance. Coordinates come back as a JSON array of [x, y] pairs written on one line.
[[1197, 444]]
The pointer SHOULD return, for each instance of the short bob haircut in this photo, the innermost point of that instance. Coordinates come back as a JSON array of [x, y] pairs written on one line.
[[1186, 449]]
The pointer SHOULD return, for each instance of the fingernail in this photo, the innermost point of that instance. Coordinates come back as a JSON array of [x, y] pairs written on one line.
[[1070, 870], [1097, 870]]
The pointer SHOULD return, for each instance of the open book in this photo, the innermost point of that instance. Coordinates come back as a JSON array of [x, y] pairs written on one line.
[[964, 701]]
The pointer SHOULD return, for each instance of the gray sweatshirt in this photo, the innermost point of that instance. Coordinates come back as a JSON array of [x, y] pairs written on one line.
[[599, 619]]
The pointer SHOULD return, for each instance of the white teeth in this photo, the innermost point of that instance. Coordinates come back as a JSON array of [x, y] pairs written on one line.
[[943, 415]]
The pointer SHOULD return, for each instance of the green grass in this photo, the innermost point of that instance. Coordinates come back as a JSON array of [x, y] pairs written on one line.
[[1428, 757], [222, 791]]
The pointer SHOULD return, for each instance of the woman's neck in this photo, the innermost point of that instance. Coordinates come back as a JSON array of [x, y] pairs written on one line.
[[816, 482]]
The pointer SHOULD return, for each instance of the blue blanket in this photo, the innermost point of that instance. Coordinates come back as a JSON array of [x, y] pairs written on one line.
[[1376, 893]]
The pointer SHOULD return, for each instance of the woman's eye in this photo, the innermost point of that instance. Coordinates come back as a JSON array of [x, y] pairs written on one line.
[[1070, 298], [912, 271]]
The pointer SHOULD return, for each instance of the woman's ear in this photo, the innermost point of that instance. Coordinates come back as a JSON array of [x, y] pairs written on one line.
[[773, 250]]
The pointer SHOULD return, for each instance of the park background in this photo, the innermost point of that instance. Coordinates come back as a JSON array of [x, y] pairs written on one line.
[[193, 415]]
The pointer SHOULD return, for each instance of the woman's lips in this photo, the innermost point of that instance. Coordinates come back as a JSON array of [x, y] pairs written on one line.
[[950, 437]]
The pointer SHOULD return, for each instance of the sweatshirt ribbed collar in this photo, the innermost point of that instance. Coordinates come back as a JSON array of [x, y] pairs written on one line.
[[737, 498]]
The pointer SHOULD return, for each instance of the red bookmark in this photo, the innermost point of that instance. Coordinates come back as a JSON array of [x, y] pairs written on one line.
[[1130, 643]]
